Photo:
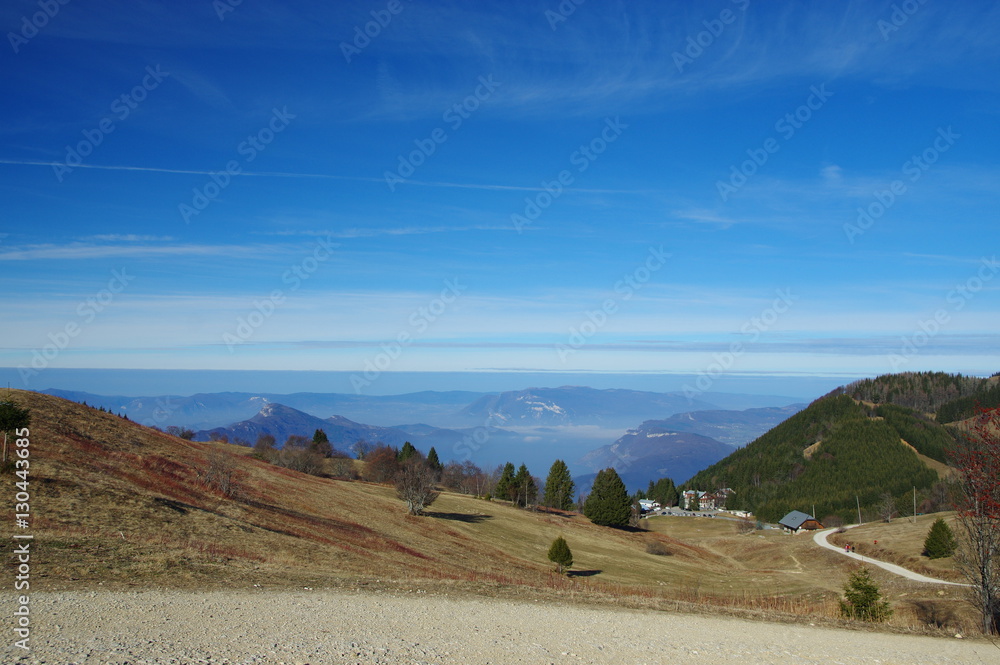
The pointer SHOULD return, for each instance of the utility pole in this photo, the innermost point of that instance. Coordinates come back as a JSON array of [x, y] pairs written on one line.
[[858, 501], [914, 504]]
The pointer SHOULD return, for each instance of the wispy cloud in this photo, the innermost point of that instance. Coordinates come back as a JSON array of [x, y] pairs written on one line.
[[128, 237], [704, 216], [377, 232], [82, 251], [325, 176]]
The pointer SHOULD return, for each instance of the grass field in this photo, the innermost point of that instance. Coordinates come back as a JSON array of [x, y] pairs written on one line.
[[118, 505]]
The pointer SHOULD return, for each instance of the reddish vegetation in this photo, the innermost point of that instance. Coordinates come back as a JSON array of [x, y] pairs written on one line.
[[114, 493]]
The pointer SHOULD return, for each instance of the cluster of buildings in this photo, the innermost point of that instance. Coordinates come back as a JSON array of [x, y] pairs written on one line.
[[695, 500], [793, 522]]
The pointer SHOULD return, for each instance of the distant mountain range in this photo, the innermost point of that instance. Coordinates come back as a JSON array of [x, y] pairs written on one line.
[[574, 405], [681, 445], [282, 421], [569, 405], [534, 426], [733, 427], [209, 410], [651, 452]]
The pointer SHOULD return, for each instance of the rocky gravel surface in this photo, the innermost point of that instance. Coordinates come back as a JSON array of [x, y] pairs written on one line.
[[251, 627]]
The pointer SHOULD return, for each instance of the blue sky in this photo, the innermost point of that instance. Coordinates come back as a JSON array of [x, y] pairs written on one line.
[[630, 187]]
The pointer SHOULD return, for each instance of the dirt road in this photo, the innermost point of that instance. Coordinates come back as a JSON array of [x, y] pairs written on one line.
[[338, 626]]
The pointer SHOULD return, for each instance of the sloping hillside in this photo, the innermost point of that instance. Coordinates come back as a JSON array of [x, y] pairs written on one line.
[[119, 504], [834, 454]]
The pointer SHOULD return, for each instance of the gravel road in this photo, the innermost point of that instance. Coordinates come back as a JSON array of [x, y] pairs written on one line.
[[340, 626], [820, 538]]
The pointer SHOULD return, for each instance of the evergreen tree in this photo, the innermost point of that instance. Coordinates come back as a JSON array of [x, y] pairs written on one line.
[[433, 462], [663, 492], [863, 600], [560, 554], [525, 489], [406, 453], [12, 418], [321, 443], [940, 541], [505, 486], [559, 487], [608, 503]]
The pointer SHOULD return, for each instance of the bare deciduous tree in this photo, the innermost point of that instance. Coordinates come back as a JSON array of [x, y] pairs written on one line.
[[415, 486], [300, 459], [221, 474], [977, 459], [886, 507], [343, 468], [264, 448], [381, 465]]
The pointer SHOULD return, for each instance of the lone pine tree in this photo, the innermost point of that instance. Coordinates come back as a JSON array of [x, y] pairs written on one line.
[[560, 554], [608, 503], [940, 541]]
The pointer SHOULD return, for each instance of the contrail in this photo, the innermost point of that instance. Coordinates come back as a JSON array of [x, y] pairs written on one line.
[[322, 176]]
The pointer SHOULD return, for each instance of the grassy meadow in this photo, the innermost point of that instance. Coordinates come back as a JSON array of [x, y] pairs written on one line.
[[116, 505]]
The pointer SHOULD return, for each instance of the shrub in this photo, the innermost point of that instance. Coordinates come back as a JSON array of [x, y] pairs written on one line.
[[300, 459], [560, 554], [343, 468], [264, 448], [863, 600], [657, 548], [221, 475]]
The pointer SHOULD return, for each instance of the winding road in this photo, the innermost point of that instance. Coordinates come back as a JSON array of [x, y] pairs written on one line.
[[820, 539]]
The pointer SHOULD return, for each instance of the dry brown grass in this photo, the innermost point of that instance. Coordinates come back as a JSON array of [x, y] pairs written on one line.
[[902, 542], [118, 505]]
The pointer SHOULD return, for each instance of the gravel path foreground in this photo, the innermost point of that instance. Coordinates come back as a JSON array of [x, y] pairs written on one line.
[[337, 626]]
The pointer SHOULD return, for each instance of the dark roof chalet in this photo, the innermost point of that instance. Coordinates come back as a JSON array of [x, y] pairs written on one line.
[[795, 519]]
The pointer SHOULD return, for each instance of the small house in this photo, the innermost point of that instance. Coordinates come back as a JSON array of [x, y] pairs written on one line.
[[796, 520]]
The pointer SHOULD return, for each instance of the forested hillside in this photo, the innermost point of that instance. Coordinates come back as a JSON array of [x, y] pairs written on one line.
[[923, 391], [825, 456], [987, 397]]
